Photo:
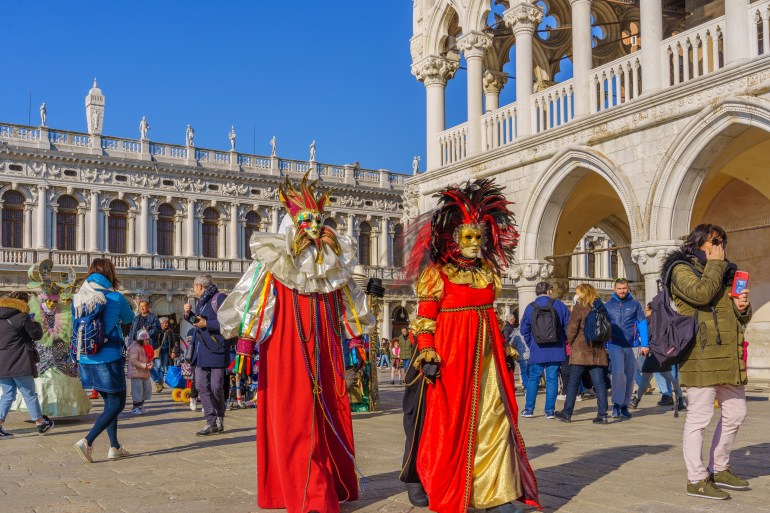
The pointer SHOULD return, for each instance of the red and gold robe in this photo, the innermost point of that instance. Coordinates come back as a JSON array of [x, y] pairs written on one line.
[[471, 453]]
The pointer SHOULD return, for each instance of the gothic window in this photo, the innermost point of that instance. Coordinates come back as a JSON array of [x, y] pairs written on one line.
[[252, 225], [331, 223], [591, 258], [398, 246], [165, 229], [66, 223], [13, 219], [364, 243], [210, 232], [117, 226]]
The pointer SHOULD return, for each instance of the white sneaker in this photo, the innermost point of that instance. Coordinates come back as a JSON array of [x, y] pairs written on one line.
[[144, 410], [193, 404], [137, 411], [114, 454], [578, 398], [84, 450], [561, 397]]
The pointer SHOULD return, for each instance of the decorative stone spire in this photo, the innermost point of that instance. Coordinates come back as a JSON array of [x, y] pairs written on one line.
[[95, 110]]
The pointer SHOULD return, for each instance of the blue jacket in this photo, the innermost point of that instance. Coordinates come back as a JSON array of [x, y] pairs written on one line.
[[629, 324], [149, 322], [549, 354], [117, 311], [210, 349]]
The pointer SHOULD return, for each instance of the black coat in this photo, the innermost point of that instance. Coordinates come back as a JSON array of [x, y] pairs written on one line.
[[18, 334]]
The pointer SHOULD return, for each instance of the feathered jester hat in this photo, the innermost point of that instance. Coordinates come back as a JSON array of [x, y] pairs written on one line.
[[300, 203], [478, 203], [41, 277]]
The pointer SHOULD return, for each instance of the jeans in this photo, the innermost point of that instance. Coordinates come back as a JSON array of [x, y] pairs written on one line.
[[384, 361], [158, 371], [25, 385], [107, 377], [700, 409], [406, 363], [597, 377], [114, 402], [551, 385], [624, 369], [668, 378], [211, 389], [524, 371]]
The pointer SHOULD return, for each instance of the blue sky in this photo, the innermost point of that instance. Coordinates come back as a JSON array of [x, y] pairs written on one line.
[[297, 70]]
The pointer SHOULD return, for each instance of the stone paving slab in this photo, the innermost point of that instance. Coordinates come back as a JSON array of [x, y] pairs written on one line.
[[631, 467]]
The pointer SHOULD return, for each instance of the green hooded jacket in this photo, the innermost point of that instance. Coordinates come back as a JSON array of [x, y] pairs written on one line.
[[710, 362]]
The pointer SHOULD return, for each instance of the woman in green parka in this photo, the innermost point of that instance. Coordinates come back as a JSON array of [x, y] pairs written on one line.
[[714, 367]]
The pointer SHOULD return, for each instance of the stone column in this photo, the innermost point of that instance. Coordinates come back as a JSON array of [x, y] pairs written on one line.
[[178, 228], [93, 224], [374, 246], [474, 45], [274, 220], [190, 229], [27, 236], [80, 242], [649, 257], [652, 35], [386, 244], [582, 259], [349, 227], [221, 242], [235, 231], [582, 56], [131, 235], [386, 323], [42, 213], [736, 38], [105, 235], [522, 19], [143, 223], [434, 71], [526, 275], [493, 84]]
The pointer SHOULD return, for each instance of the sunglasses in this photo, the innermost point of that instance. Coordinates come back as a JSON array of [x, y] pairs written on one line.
[[718, 242]]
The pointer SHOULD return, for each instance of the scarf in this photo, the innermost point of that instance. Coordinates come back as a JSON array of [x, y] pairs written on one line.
[[90, 295], [210, 291]]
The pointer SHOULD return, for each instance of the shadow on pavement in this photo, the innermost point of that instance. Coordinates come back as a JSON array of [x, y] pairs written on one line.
[[752, 461], [200, 443], [561, 483]]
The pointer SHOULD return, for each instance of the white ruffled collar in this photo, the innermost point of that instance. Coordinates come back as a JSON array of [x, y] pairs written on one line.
[[302, 273]]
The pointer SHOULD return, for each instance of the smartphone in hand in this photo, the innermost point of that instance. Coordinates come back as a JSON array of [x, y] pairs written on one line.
[[740, 283]]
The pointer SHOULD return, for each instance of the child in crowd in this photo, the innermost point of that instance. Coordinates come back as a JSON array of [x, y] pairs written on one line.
[[139, 366]]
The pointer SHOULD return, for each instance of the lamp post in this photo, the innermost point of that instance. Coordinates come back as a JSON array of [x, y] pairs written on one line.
[[374, 294]]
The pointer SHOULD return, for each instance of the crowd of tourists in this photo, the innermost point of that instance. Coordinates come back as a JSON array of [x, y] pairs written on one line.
[[597, 349]]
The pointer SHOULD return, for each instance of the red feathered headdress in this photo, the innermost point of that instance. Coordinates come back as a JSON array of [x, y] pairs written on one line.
[[302, 200], [478, 202]]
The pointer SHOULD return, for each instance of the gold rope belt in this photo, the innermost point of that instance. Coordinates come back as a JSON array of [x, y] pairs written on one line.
[[479, 308]]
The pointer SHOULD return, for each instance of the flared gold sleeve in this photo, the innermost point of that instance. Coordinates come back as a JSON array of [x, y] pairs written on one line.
[[430, 291]]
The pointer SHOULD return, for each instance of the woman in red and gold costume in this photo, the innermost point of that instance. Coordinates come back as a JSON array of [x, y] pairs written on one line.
[[470, 451], [299, 303]]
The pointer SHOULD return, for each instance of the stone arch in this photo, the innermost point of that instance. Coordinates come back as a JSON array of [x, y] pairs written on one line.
[[553, 188], [685, 165], [24, 190], [438, 27], [78, 195], [476, 15]]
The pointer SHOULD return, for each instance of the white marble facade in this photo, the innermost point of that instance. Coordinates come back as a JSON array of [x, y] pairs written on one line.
[[664, 124]]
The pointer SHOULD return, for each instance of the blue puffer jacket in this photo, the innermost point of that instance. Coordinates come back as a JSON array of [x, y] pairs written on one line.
[[117, 311], [629, 325], [210, 349], [548, 354]]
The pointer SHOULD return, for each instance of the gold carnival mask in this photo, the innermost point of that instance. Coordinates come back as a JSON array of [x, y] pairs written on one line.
[[470, 237]]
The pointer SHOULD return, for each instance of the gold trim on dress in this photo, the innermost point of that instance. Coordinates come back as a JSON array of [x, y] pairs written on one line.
[[477, 278]]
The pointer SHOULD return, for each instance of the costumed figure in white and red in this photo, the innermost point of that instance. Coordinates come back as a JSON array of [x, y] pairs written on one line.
[[298, 303]]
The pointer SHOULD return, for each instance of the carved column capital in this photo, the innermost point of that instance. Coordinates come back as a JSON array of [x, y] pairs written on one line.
[[523, 18], [649, 255], [529, 272], [494, 81], [474, 44], [435, 69]]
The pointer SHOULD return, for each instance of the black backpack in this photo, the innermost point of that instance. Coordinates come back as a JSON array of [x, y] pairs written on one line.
[[545, 324], [672, 333], [597, 328]]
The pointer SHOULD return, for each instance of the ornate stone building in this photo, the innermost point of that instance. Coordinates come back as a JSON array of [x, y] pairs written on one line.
[[164, 213], [639, 118]]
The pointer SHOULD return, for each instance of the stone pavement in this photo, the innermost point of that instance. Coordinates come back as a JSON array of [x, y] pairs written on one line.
[[634, 466]]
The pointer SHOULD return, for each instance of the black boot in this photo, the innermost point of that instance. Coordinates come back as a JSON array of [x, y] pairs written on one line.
[[416, 494]]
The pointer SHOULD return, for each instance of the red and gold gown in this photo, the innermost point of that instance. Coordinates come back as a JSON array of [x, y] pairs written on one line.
[[471, 453], [300, 311]]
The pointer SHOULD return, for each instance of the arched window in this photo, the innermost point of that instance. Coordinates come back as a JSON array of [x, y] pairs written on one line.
[[66, 223], [253, 221], [117, 226], [165, 229], [365, 243], [210, 232], [591, 260], [330, 222], [13, 219], [398, 246]]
